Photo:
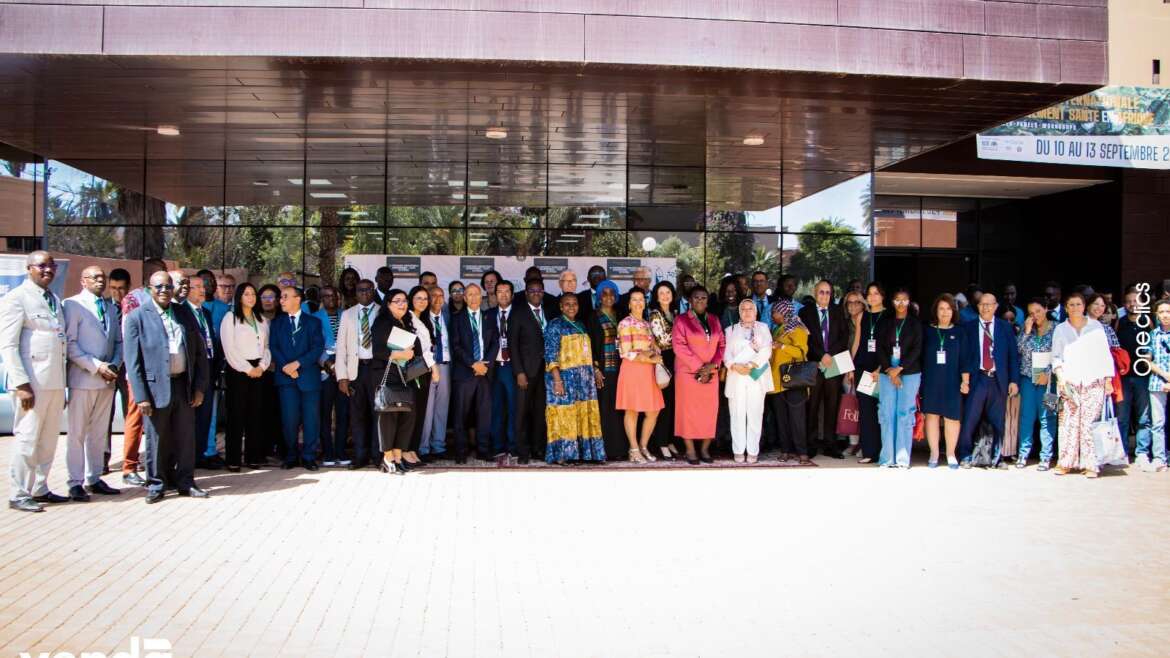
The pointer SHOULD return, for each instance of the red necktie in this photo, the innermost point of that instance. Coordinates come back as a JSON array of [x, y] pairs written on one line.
[[988, 363]]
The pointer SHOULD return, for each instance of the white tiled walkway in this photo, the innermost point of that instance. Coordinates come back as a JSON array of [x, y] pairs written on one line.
[[842, 561]]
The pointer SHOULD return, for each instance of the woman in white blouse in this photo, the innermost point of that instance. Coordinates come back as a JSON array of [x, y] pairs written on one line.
[[1083, 367], [244, 333], [749, 379]]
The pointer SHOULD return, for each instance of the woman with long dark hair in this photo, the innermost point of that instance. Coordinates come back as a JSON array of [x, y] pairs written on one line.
[[395, 430], [664, 305], [347, 286], [269, 308], [866, 360], [900, 355], [244, 333], [420, 302], [603, 338]]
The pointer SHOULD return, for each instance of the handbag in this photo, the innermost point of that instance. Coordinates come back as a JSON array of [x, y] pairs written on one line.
[[661, 375], [1051, 400], [1107, 438], [919, 421], [849, 415], [801, 374], [984, 451], [415, 368], [390, 400]]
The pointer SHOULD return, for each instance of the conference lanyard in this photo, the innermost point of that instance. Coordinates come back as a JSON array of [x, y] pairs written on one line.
[[897, 351], [871, 346], [941, 356]]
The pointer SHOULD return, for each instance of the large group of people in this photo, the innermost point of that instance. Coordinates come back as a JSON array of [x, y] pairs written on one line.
[[366, 374]]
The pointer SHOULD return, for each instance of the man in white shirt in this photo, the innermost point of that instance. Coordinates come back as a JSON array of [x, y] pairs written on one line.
[[433, 443], [354, 351], [503, 378], [93, 330]]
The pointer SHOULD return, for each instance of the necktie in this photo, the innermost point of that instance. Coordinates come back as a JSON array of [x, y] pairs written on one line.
[[825, 328], [540, 318], [101, 312], [760, 311], [367, 341], [504, 354], [51, 301], [438, 322], [476, 350], [988, 363]]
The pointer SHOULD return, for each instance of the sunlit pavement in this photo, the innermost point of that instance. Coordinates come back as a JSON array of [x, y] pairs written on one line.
[[838, 560]]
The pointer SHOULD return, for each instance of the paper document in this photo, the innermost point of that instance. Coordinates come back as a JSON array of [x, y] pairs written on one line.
[[867, 384], [842, 363], [400, 339]]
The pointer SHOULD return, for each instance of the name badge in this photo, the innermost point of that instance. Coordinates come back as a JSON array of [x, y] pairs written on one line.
[[1041, 360], [940, 357], [871, 346], [896, 357]]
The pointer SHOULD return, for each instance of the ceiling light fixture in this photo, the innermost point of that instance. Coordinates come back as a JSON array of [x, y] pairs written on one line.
[[328, 195], [495, 132], [168, 131], [753, 140], [260, 183]]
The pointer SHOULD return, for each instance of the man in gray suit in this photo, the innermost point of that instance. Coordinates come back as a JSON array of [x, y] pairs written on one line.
[[32, 345], [93, 329], [167, 369]]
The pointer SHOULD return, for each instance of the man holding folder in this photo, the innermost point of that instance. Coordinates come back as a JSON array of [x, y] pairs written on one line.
[[828, 335]]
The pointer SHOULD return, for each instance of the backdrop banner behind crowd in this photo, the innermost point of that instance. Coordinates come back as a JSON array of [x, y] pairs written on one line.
[[468, 269]]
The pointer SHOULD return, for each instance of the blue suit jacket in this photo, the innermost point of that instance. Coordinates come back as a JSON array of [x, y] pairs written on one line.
[[461, 344], [148, 357], [305, 347], [1004, 352]]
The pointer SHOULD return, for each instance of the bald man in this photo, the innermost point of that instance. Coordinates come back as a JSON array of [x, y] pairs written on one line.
[[93, 331], [32, 346]]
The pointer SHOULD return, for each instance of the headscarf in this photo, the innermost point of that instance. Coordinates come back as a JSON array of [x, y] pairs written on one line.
[[607, 284], [788, 312]]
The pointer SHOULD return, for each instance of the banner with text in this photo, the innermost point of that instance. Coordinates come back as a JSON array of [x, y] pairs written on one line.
[[469, 269], [1110, 127]]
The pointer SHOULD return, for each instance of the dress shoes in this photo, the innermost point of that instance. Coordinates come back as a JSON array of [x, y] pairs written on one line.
[[195, 492], [77, 493], [311, 465], [25, 505], [215, 462], [102, 488], [153, 497], [50, 497], [233, 469], [134, 480], [284, 466], [358, 465], [522, 460]]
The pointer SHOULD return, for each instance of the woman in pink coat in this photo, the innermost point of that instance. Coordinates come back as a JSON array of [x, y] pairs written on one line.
[[698, 351]]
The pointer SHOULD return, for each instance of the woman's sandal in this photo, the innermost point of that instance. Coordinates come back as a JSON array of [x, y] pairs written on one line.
[[636, 456], [649, 456]]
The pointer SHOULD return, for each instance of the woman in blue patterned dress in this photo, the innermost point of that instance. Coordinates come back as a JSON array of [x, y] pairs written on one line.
[[1035, 347], [571, 381]]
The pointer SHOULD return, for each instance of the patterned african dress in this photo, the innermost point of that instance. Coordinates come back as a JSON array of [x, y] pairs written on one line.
[[574, 422]]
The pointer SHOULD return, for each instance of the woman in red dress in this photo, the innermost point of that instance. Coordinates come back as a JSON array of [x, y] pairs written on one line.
[[698, 351]]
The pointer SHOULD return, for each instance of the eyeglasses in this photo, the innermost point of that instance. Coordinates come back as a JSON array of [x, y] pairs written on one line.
[[226, 286], [901, 302], [457, 291], [398, 301], [44, 266], [365, 289], [268, 298], [535, 291], [162, 286], [826, 293], [95, 277]]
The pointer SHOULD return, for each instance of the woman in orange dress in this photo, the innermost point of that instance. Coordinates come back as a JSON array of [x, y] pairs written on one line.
[[637, 387], [698, 350]]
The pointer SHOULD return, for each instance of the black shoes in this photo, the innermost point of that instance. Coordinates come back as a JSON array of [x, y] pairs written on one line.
[[195, 492], [153, 497], [25, 505], [706, 459], [233, 469], [358, 465], [102, 488], [284, 466], [51, 497], [134, 480], [311, 465], [77, 493], [523, 461]]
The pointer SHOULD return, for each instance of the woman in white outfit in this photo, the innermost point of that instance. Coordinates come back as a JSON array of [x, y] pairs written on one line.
[[749, 379], [1085, 378]]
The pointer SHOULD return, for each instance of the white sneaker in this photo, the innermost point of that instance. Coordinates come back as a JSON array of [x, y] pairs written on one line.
[[329, 464], [1141, 461], [344, 462]]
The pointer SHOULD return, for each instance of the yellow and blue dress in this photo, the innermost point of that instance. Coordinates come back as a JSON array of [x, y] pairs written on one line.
[[574, 421]]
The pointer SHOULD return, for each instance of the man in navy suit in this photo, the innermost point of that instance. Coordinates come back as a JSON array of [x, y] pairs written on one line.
[[474, 344], [196, 314], [297, 343], [167, 371], [993, 365]]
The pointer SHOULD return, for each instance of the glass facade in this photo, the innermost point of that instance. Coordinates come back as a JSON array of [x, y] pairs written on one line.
[[305, 217]]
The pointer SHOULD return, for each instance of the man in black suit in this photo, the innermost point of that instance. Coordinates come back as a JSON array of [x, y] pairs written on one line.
[[828, 335], [193, 314], [587, 299], [167, 370], [384, 280], [643, 280], [550, 303], [474, 344], [526, 338]]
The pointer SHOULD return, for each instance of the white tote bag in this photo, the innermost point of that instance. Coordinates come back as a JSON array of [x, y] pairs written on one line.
[[1107, 437]]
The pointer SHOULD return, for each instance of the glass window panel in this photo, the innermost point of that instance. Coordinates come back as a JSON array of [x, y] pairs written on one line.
[[588, 217], [687, 248], [327, 246], [196, 247], [828, 202], [741, 189], [741, 252], [481, 217], [426, 183], [425, 216], [766, 221], [437, 241], [586, 242], [339, 192], [666, 218], [77, 195], [948, 223], [505, 242], [100, 241], [835, 255], [666, 185], [586, 185], [264, 215], [504, 184], [1000, 223], [897, 221], [186, 187], [265, 251], [21, 190], [265, 183]]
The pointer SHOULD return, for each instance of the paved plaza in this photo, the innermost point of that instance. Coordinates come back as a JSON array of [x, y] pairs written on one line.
[[837, 560]]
